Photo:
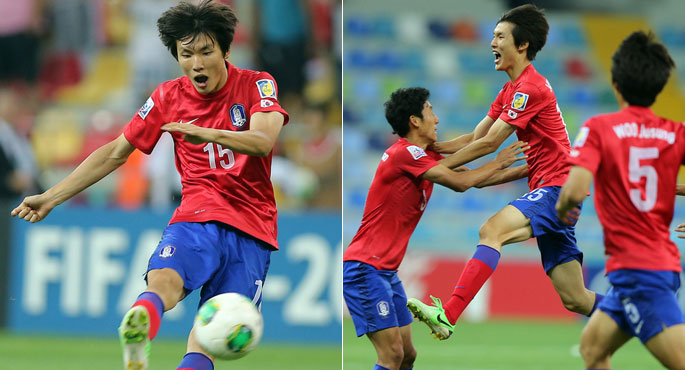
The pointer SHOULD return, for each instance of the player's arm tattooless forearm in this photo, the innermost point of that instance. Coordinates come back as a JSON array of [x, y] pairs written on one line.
[[258, 140], [99, 164], [504, 176]]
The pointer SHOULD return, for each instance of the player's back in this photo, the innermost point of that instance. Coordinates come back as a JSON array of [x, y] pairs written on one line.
[[640, 156]]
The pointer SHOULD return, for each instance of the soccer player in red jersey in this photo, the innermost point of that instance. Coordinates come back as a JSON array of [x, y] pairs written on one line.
[[224, 121], [634, 157], [397, 198], [525, 105]]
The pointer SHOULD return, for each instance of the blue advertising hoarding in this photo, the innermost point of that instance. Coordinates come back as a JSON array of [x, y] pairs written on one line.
[[79, 270]]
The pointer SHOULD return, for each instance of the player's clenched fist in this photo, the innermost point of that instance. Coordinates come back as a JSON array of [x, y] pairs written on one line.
[[33, 208]]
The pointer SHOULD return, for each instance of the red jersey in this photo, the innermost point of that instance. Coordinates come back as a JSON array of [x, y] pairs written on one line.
[[529, 104], [218, 184], [634, 156], [394, 205]]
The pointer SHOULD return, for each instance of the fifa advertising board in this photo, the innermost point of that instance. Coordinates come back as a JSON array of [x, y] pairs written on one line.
[[79, 270]]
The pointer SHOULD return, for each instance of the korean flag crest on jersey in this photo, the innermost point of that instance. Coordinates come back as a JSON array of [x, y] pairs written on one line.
[[267, 89], [146, 108], [237, 113], [520, 100], [416, 152]]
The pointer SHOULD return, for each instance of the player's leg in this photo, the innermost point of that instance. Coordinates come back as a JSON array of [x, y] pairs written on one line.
[[175, 267], [377, 307], [245, 263], [560, 255], [389, 348], [601, 337], [669, 347], [567, 279], [408, 347], [509, 225], [195, 358]]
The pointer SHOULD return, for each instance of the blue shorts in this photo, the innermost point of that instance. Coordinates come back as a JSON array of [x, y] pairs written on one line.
[[556, 240], [215, 256], [643, 302], [375, 298]]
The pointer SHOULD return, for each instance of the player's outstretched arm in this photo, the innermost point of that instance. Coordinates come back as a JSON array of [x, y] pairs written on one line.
[[487, 144], [257, 141], [572, 194], [99, 164], [463, 180], [680, 189], [452, 146], [504, 176]]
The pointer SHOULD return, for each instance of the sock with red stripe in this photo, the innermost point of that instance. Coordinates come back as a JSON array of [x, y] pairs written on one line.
[[155, 307], [195, 361], [475, 274]]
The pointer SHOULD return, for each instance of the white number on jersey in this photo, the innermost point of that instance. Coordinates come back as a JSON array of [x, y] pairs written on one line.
[[221, 152], [636, 172]]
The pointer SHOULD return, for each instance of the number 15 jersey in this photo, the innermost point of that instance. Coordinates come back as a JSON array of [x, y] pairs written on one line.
[[635, 157], [218, 184]]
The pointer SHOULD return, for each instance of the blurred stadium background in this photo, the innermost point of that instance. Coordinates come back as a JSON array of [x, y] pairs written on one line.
[[72, 73], [444, 45]]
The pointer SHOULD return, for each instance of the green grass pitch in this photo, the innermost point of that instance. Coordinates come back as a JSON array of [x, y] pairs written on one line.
[[28, 352], [501, 345]]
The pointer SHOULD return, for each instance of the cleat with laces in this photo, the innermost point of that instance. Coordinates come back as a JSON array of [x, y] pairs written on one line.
[[433, 316], [134, 337]]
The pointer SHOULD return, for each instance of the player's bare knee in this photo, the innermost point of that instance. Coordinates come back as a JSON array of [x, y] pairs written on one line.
[[592, 355], [168, 285], [394, 354], [488, 235], [409, 358], [574, 304]]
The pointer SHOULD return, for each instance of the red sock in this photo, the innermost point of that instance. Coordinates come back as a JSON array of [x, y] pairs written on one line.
[[155, 308], [475, 274]]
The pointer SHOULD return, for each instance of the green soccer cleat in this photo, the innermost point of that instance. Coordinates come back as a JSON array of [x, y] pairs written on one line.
[[134, 337], [434, 316]]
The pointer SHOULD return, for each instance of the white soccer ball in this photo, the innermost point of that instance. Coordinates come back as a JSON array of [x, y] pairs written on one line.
[[228, 326]]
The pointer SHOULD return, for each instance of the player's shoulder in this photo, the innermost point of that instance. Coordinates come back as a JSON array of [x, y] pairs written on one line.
[[248, 74], [403, 150]]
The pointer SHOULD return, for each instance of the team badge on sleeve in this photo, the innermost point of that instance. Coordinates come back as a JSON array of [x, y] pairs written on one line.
[[146, 108], [416, 152], [237, 113], [267, 89], [520, 100], [265, 103], [582, 136]]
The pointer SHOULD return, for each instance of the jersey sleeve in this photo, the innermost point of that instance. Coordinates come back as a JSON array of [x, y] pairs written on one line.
[[527, 102], [414, 160], [586, 151], [264, 96], [143, 131], [496, 106]]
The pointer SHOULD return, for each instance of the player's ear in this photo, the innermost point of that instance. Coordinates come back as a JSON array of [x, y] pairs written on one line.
[[228, 52], [414, 121], [523, 46]]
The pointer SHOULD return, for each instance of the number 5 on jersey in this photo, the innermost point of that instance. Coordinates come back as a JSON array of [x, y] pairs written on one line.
[[220, 152]]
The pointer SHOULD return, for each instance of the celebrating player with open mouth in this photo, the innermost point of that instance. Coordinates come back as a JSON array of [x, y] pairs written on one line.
[[525, 105], [634, 157], [224, 122]]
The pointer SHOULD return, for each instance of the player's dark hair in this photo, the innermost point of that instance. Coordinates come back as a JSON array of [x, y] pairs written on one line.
[[530, 25], [404, 103], [640, 68], [185, 20]]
